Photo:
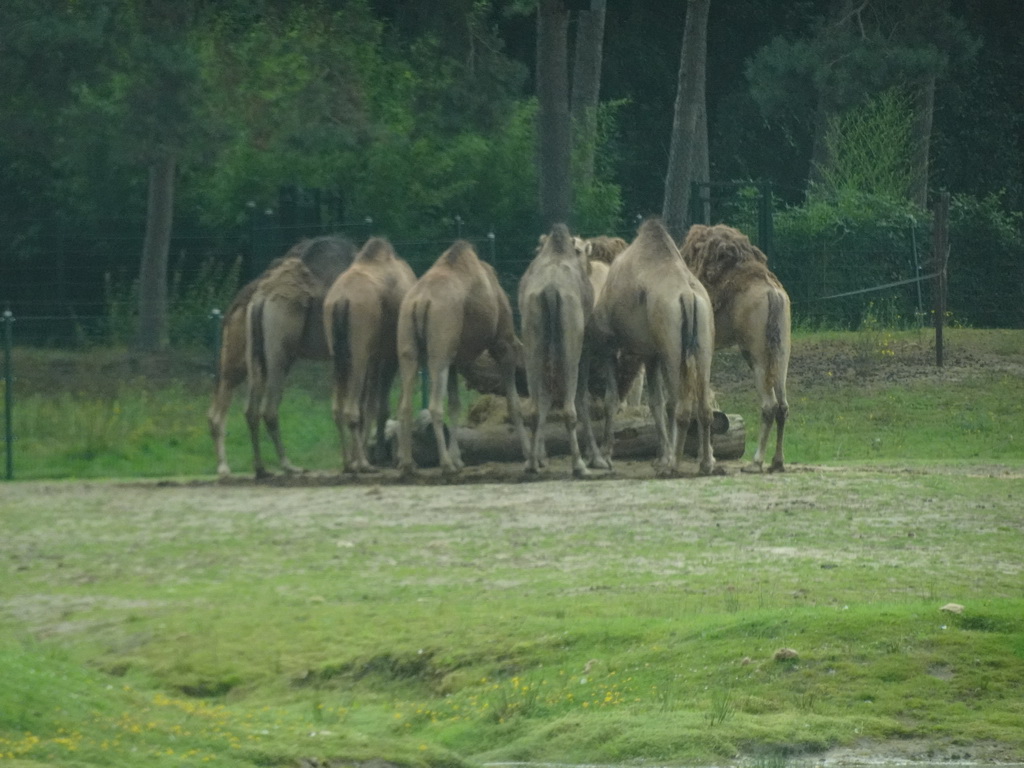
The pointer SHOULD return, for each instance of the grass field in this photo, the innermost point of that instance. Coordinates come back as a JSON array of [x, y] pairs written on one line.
[[758, 619]]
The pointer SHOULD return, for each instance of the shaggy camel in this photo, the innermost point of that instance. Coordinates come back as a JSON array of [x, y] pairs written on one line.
[[455, 311], [360, 321], [231, 369], [654, 307], [284, 322], [556, 299], [752, 311]]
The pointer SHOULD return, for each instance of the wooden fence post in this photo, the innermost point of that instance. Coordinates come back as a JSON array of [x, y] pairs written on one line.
[[8, 319]]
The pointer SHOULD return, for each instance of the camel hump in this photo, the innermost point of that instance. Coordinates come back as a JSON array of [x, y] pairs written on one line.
[[720, 251], [461, 254], [376, 249], [654, 240], [327, 257], [560, 241]]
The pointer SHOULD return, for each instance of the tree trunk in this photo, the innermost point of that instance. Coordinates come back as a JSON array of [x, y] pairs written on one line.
[[819, 148], [586, 88], [924, 108], [553, 135], [635, 439], [689, 103], [153, 270], [840, 13]]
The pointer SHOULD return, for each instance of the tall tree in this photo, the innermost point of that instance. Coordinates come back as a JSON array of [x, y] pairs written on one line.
[[554, 139], [586, 87], [689, 130], [857, 51]]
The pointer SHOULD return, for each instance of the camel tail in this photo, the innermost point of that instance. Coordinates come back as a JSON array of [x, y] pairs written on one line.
[[554, 338], [773, 327], [689, 329], [258, 350], [773, 336], [419, 325], [339, 336]]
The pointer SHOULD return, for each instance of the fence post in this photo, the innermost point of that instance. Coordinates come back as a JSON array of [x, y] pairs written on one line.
[[8, 319], [218, 331], [941, 255]]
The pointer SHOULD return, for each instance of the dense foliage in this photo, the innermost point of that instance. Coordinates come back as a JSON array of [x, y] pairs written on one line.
[[418, 121]]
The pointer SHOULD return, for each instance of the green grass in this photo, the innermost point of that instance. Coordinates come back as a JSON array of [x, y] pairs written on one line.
[[854, 397], [430, 626], [185, 623]]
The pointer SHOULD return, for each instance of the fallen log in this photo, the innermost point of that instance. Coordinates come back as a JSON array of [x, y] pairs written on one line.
[[635, 439]]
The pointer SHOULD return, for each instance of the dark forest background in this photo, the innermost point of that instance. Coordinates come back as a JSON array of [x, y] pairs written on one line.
[[266, 121]]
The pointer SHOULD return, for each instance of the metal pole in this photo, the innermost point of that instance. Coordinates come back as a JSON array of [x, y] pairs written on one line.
[[8, 318]]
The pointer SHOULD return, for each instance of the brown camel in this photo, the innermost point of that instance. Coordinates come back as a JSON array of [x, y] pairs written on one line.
[[360, 321], [455, 311], [654, 307], [231, 369], [752, 311], [556, 299], [284, 322]]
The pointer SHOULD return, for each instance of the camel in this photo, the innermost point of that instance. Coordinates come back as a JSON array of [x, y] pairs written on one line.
[[360, 320], [752, 311], [654, 307], [231, 369], [601, 252], [284, 322], [556, 299], [604, 249], [455, 311]]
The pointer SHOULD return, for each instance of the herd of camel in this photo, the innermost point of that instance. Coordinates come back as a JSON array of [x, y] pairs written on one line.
[[595, 314]]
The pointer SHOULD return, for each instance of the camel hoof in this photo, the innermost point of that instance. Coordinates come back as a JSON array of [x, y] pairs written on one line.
[[777, 467], [530, 469], [406, 471], [752, 469], [580, 471]]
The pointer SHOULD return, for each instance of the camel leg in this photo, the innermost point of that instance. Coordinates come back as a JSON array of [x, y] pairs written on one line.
[[634, 398], [217, 418], [505, 355], [355, 413], [611, 405], [769, 409], [338, 412], [383, 406], [541, 405], [409, 370], [252, 420], [438, 386], [705, 452], [659, 394], [572, 375], [276, 373], [447, 381], [583, 409], [781, 415]]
